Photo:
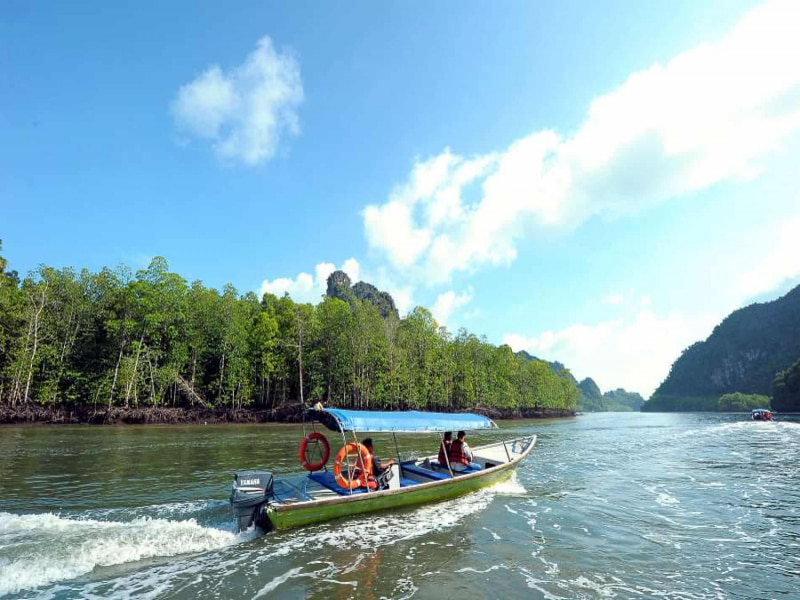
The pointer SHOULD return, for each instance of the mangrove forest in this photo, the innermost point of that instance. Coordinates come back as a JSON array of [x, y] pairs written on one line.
[[118, 339]]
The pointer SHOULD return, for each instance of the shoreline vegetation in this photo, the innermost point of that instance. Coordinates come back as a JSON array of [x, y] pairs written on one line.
[[730, 402], [148, 347], [49, 415]]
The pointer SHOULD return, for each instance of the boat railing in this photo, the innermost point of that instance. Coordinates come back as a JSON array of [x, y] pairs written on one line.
[[524, 438]]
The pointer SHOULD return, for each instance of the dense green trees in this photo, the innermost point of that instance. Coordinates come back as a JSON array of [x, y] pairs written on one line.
[[619, 400], [117, 338], [730, 402], [786, 389], [738, 402]]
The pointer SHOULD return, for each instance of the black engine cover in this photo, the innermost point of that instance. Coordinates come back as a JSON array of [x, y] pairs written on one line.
[[251, 490]]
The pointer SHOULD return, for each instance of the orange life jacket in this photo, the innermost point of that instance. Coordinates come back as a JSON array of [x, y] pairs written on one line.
[[456, 453]]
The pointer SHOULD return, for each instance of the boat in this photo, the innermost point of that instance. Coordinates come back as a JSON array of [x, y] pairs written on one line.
[[347, 487], [761, 414]]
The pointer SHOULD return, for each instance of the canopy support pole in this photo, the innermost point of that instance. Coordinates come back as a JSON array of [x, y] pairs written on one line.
[[363, 466], [349, 474], [447, 458], [314, 429], [396, 449]]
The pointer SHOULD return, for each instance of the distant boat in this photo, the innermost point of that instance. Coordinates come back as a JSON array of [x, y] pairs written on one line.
[[349, 488], [761, 414]]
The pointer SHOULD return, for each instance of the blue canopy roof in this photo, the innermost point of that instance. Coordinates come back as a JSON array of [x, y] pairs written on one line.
[[410, 421]]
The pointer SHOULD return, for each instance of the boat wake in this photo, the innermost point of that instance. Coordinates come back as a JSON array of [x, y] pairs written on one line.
[[760, 426], [47, 548], [392, 527], [749, 427], [372, 533]]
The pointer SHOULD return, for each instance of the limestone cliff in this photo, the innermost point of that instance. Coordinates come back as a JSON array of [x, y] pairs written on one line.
[[743, 354], [339, 286]]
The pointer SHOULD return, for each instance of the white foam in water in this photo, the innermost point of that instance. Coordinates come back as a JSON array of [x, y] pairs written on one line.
[[270, 587], [510, 487], [758, 426], [663, 495], [745, 425], [391, 528], [61, 548], [169, 510], [50, 548], [666, 499]]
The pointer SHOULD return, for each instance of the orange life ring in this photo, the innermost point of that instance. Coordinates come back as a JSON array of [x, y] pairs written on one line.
[[326, 451], [357, 463]]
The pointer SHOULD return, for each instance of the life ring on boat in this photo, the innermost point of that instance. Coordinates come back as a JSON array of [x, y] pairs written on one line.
[[357, 462], [317, 438]]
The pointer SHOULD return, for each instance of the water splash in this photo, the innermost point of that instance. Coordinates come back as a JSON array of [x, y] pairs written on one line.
[[389, 528], [82, 544], [49, 548]]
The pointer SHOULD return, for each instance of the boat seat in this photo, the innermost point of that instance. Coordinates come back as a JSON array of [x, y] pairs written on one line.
[[326, 479], [416, 469], [435, 463]]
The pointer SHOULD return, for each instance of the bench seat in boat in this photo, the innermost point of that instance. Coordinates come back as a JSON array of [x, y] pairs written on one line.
[[418, 470], [326, 478], [435, 463]]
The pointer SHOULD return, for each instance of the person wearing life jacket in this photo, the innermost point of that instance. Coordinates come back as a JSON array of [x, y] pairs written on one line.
[[380, 468], [444, 448], [460, 454]]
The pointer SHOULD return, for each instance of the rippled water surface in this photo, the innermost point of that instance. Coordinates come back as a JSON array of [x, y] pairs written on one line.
[[608, 505]]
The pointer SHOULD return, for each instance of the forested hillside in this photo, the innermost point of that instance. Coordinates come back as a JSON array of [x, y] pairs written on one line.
[[743, 354], [786, 389], [619, 400], [151, 339], [591, 399]]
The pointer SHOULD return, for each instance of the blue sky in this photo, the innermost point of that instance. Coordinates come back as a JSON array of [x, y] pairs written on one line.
[[598, 183]]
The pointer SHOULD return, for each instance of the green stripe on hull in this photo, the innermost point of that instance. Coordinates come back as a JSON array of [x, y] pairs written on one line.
[[297, 515]]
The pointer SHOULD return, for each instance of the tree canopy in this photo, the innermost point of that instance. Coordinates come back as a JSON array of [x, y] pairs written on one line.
[[150, 338]]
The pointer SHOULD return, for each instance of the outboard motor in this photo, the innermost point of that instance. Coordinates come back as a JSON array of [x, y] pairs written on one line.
[[251, 490]]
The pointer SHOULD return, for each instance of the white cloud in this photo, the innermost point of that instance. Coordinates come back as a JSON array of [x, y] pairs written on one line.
[[352, 268], [447, 303], [633, 352], [403, 298], [711, 114], [308, 288], [390, 227], [782, 262], [627, 300], [475, 313], [245, 111]]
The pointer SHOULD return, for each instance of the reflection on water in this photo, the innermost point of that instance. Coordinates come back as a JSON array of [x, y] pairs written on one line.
[[633, 505]]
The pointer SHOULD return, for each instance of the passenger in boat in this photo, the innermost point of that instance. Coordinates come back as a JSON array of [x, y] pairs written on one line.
[[381, 470], [444, 448], [460, 454]]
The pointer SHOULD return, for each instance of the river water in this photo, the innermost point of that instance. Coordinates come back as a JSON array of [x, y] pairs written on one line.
[[607, 506]]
